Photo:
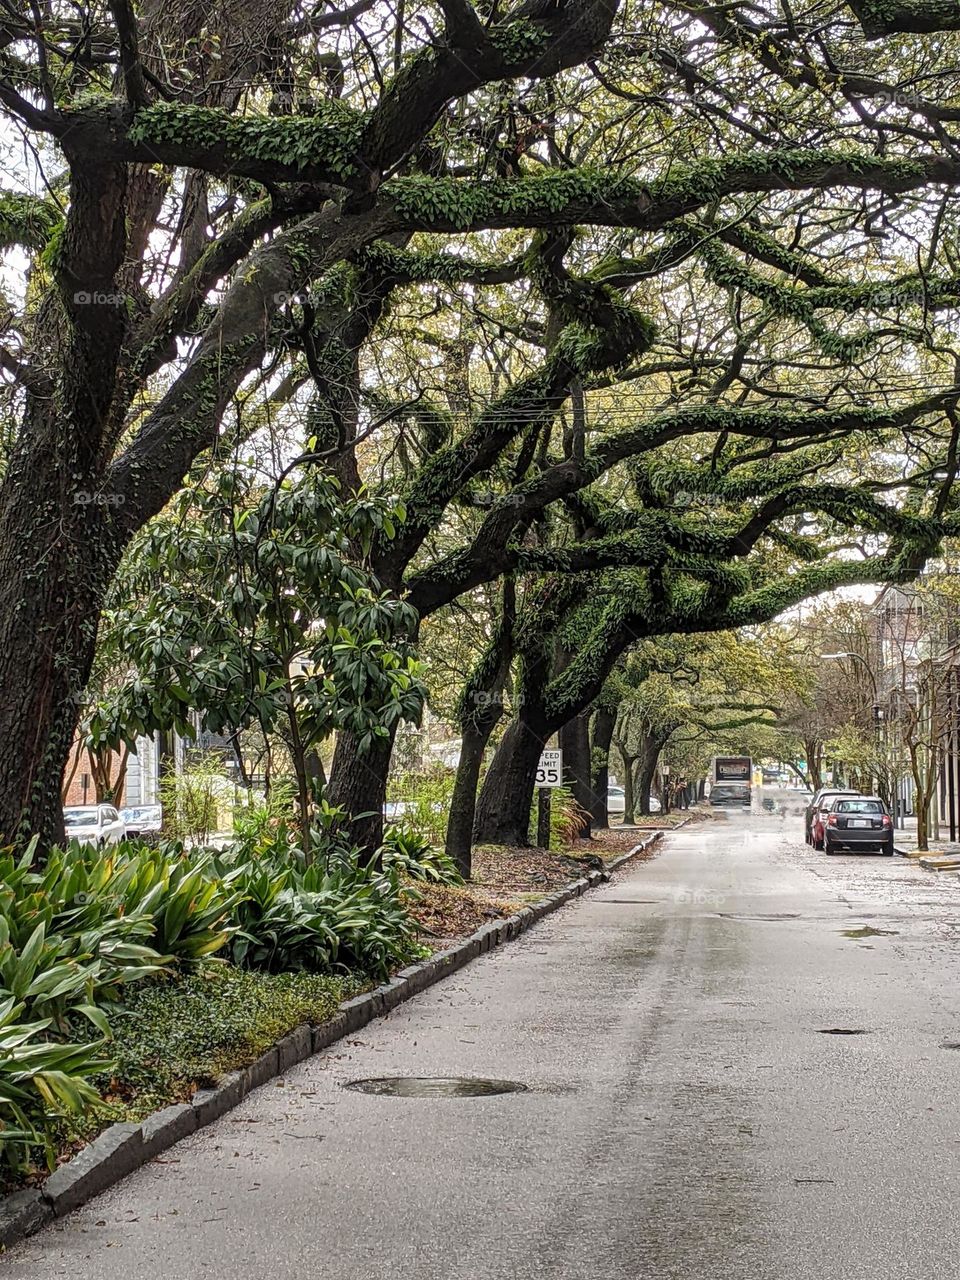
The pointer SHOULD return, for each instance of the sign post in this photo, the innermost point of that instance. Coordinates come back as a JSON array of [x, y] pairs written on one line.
[[549, 775]]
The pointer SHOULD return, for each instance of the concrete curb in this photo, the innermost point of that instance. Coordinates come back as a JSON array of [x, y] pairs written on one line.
[[125, 1147]]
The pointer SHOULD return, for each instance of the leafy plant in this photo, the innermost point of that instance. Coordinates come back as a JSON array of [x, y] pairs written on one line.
[[411, 853], [342, 916], [193, 798], [567, 819], [426, 798], [41, 1082]]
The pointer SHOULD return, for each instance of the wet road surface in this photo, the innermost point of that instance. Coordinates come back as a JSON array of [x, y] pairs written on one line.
[[685, 1115]]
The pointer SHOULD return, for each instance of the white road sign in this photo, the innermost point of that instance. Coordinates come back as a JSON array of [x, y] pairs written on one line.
[[550, 769]]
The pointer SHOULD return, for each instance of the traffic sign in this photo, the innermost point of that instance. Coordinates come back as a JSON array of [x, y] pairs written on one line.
[[550, 769]]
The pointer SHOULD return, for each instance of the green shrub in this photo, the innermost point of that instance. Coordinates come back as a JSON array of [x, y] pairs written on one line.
[[41, 1083], [323, 917], [426, 797], [567, 819], [262, 824], [184, 906], [175, 1035], [411, 853], [192, 799]]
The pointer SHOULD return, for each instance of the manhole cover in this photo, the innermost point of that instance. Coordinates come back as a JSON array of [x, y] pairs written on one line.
[[435, 1086], [843, 1031]]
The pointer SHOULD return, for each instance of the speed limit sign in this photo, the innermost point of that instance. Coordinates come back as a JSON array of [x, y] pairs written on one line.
[[550, 769]]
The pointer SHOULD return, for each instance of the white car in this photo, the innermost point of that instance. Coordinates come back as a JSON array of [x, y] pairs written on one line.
[[96, 824], [616, 802]]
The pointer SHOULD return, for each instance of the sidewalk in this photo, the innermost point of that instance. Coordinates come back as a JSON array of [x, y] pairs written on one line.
[[905, 841]]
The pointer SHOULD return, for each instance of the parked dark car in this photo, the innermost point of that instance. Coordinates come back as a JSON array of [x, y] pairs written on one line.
[[822, 800], [723, 793], [858, 822]]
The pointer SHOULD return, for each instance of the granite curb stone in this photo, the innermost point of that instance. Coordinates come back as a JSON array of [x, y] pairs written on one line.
[[294, 1047], [163, 1128], [21, 1214], [118, 1150]]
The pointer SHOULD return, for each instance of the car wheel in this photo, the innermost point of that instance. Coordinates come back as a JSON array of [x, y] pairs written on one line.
[[887, 849], [828, 847]]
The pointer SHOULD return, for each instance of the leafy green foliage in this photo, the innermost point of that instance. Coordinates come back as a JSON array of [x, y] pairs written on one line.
[[567, 819], [174, 1036], [252, 606], [344, 917], [425, 797], [79, 934], [41, 1083], [328, 137], [407, 850]]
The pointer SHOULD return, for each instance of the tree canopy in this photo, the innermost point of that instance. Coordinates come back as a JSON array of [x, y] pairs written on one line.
[[645, 308]]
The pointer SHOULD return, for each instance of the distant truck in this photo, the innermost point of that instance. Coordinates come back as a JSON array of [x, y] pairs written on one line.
[[731, 781]]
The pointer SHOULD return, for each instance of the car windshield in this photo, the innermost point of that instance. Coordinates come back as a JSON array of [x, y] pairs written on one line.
[[859, 806], [79, 817]]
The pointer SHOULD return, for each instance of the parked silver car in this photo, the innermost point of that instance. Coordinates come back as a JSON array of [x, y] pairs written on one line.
[[96, 824], [142, 817]]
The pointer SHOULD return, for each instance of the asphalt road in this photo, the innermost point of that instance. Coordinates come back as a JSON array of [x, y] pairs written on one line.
[[685, 1115]]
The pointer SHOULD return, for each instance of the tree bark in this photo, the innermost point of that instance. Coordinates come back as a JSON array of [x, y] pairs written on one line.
[[601, 737], [358, 784], [53, 568], [575, 745], [629, 791], [463, 802], [503, 808], [480, 711], [647, 770]]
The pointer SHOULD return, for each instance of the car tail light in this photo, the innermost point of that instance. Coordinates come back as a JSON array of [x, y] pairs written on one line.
[[886, 820], [831, 820]]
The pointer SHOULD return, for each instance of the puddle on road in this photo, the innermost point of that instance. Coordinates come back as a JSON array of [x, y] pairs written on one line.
[[629, 902], [434, 1086], [868, 931], [777, 915]]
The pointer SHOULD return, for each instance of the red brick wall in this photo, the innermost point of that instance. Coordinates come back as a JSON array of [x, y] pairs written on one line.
[[75, 792]]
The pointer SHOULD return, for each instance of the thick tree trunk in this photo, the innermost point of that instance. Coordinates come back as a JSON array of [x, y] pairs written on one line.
[[54, 563], [629, 792], [814, 754], [600, 739], [503, 809], [646, 771], [480, 711], [463, 802], [358, 784], [575, 745]]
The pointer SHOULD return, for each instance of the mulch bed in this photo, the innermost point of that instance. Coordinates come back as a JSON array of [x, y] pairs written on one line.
[[508, 870], [504, 880], [446, 912]]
